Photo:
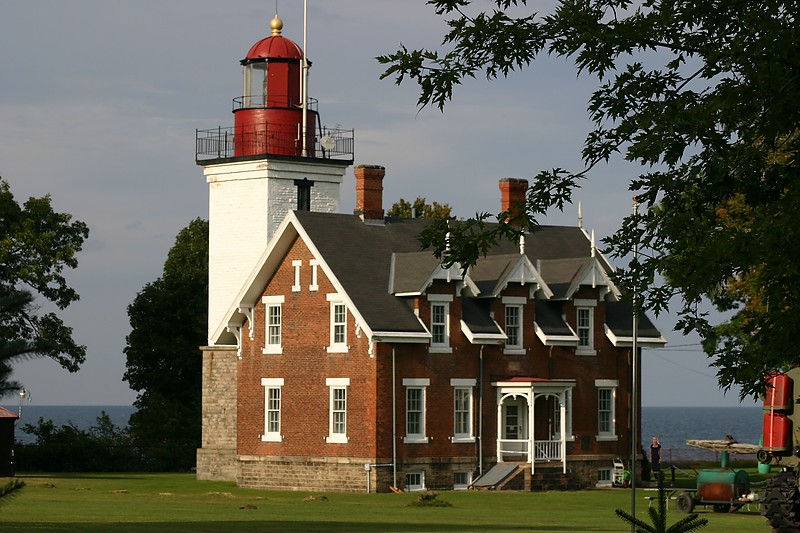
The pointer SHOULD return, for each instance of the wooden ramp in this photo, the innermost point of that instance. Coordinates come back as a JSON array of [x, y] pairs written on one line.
[[496, 476]]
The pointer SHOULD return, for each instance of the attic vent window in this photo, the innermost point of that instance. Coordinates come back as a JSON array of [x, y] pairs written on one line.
[[303, 194]]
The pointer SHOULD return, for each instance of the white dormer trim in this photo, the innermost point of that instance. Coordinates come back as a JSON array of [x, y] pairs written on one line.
[[483, 338], [594, 275], [627, 342], [556, 340], [524, 273]]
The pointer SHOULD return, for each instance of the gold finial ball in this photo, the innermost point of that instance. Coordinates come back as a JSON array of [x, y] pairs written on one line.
[[276, 24]]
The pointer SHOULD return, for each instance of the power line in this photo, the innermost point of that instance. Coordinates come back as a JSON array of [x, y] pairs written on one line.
[[684, 367]]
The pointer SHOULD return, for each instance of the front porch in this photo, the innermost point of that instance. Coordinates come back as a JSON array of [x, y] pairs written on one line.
[[510, 450], [533, 421]]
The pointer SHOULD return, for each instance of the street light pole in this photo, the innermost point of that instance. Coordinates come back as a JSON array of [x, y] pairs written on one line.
[[634, 365]]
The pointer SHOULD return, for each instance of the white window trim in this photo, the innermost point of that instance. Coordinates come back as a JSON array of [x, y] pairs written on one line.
[[334, 384], [270, 301], [296, 264], [417, 383], [445, 300], [337, 347], [462, 486], [469, 385], [590, 349], [421, 486], [605, 482], [272, 383], [314, 281], [512, 301], [612, 385]]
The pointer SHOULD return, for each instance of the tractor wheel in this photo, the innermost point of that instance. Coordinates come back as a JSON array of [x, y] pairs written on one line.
[[684, 503], [781, 503], [722, 507]]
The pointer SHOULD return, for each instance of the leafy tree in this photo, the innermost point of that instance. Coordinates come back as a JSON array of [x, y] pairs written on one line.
[[168, 325], [12, 348], [36, 245], [419, 209], [703, 95], [104, 447]]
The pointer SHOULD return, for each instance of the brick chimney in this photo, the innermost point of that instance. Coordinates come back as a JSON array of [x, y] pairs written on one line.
[[369, 192], [512, 195]]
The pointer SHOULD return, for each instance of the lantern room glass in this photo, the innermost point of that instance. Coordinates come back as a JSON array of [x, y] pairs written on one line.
[[255, 84]]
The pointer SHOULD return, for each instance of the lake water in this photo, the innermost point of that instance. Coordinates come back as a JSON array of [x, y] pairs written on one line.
[[673, 425]]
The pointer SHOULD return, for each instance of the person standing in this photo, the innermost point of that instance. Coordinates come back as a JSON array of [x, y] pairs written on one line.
[[655, 456]]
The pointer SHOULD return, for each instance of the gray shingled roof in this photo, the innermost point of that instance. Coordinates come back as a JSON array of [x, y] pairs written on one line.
[[548, 317], [619, 318], [361, 256], [475, 314]]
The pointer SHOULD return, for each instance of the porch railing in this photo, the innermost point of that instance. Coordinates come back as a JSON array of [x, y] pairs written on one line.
[[517, 449], [547, 450]]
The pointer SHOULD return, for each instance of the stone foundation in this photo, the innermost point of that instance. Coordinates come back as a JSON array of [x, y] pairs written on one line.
[[324, 474]]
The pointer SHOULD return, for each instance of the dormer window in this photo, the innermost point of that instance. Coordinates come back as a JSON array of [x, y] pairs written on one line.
[[513, 325], [584, 326], [440, 323]]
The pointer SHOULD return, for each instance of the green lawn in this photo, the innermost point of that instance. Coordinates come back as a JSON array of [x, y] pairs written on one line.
[[177, 502]]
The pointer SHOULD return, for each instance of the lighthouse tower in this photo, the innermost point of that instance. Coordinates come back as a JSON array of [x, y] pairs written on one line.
[[276, 158]]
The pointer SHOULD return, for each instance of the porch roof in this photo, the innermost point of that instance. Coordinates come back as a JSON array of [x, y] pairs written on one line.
[[5, 413]]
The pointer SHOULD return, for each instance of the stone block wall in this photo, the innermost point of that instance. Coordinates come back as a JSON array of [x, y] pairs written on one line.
[[216, 459], [328, 474]]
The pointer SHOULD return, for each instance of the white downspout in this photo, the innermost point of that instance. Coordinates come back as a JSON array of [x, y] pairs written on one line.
[[394, 421], [480, 413]]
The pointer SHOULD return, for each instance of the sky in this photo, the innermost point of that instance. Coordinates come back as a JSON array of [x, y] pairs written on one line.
[[100, 100]]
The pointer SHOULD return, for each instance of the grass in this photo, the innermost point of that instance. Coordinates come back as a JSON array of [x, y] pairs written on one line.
[[178, 502]]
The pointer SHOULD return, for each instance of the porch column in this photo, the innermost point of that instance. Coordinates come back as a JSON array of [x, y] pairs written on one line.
[[562, 400], [499, 427], [531, 425]]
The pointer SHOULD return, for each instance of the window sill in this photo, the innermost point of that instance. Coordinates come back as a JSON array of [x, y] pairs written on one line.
[[337, 348], [459, 440], [272, 350], [271, 438], [607, 438], [416, 440], [514, 351], [440, 349], [585, 351], [337, 439]]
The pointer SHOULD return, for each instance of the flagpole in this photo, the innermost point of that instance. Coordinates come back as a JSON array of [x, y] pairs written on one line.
[[634, 366], [304, 79]]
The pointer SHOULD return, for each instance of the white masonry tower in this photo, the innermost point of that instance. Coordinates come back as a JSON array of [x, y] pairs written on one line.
[[263, 167]]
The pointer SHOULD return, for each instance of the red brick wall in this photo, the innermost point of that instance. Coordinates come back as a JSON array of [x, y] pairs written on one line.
[[305, 364]]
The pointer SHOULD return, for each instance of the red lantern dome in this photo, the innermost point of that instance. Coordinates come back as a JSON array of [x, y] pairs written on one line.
[[268, 118], [275, 46]]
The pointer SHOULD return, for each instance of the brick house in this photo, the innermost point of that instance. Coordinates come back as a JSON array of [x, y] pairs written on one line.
[[341, 357]]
